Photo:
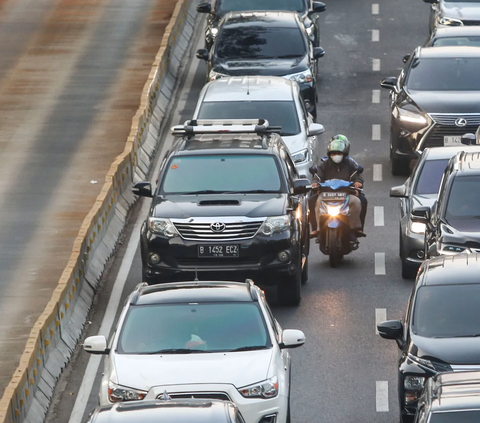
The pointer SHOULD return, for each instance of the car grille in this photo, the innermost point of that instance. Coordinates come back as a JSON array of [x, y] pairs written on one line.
[[217, 261], [203, 230], [445, 125], [199, 395]]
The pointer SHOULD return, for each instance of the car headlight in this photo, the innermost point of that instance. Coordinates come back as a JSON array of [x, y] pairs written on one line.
[[266, 389], [213, 32], [450, 21], [300, 156], [310, 32], [162, 227], [215, 75], [118, 393], [422, 361], [275, 225], [417, 227], [333, 210], [305, 76], [413, 383], [412, 116]]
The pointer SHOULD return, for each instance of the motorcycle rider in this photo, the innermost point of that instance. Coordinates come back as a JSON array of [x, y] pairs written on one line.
[[338, 165]]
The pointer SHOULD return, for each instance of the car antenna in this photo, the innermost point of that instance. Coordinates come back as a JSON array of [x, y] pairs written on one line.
[[248, 85], [196, 275]]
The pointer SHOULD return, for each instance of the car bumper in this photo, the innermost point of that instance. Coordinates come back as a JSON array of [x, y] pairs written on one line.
[[303, 169], [413, 248]]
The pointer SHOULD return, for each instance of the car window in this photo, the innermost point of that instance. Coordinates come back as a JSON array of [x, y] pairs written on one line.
[[224, 6], [259, 42], [446, 311], [221, 173], [207, 327], [444, 74], [457, 41], [467, 416], [464, 198], [278, 113], [430, 176]]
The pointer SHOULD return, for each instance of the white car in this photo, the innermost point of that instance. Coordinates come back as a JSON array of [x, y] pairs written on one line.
[[201, 340], [273, 98]]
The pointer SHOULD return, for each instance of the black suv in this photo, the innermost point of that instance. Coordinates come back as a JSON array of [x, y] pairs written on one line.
[[440, 329], [229, 203], [265, 43], [452, 225], [433, 102], [307, 10], [450, 398]]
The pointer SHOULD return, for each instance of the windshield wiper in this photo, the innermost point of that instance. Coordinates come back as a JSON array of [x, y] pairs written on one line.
[[288, 56], [250, 348], [177, 351], [253, 191], [204, 191], [475, 335]]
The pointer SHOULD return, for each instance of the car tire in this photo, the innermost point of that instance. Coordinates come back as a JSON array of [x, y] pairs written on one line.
[[400, 167], [289, 290]]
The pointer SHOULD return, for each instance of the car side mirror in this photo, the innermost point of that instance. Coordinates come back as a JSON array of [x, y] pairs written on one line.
[[96, 345], [389, 83], [318, 7], [292, 338], [400, 191], [469, 139], [315, 129], [405, 58], [301, 186], [204, 8], [143, 189], [318, 52], [391, 329], [421, 215], [202, 53]]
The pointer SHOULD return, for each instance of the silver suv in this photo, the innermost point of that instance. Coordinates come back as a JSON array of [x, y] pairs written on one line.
[[267, 97], [446, 13]]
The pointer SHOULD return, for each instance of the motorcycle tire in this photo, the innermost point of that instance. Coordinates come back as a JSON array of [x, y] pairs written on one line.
[[334, 254]]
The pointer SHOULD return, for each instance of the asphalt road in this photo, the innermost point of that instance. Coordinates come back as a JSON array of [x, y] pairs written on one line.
[[345, 372]]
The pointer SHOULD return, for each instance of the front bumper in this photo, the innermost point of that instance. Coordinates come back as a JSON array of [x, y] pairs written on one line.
[[413, 247]]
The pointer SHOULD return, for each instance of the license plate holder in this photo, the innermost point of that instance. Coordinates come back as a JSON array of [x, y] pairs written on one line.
[[334, 196], [218, 251], [451, 140]]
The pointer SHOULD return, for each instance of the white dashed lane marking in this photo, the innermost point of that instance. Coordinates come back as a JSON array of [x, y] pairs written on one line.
[[377, 172], [382, 396], [375, 96], [376, 132], [380, 264], [375, 9], [378, 218], [380, 316], [375, 35], [375, 65]]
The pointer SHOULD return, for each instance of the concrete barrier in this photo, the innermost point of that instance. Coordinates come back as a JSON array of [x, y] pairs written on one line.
[[56, 332]]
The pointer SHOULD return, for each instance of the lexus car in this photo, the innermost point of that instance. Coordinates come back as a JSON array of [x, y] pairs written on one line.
[[447, 13], [440, 329], [307, 10], [265, 43], [433, 102], [205, 340]]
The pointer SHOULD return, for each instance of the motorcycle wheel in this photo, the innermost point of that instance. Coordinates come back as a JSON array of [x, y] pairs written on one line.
[[334, 254]]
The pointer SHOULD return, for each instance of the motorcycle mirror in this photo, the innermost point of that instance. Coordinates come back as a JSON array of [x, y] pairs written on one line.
[[312, 170]]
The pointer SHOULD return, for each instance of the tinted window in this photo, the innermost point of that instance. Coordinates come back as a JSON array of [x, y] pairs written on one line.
[[430, 176], [199, 327], [278, 113], [457, 41], [444, 74], [457, 417], [224, 6], [464, 198], [221, 173], [447, 311], [258, 42]]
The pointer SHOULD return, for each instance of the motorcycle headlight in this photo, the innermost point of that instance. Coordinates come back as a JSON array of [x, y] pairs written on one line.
[[215, 75], [333, 210], [305, 76], [275, 225], [450, 21], [413, 383], [118, 393], [300, 156], [162, 227], [266, 389], [417, 227], [411, 116]]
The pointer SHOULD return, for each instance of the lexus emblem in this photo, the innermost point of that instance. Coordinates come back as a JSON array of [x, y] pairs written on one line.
[[461, 122], [217, 227]]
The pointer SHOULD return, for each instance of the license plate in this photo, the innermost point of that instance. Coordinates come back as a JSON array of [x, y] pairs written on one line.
[[218, 250], [451, 140], [334, 196]]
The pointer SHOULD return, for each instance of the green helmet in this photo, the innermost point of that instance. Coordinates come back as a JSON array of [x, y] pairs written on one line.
[[337, 145], [344, 139]]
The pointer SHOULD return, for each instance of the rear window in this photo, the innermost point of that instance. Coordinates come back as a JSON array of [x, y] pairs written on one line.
[[457, 41], [430, 176], [224, 6], [278, 113], [221, 173]]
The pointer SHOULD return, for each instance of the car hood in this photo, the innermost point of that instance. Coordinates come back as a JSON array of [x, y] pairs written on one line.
[[447, 101], [449, 350], [239, 369], [469, 231], [424, 200], [467, 11], [271, 67], [295, 143], [248, 205]]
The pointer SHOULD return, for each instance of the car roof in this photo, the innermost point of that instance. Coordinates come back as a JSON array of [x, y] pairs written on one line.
[[456, 391], [273, 19], [437, 153], [194, 291], [250, 88], [450, 270], [448, 52], [457, 31], [153, 411]]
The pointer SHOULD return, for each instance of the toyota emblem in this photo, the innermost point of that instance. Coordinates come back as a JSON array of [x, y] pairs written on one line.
[[217, 227], [461, 122]]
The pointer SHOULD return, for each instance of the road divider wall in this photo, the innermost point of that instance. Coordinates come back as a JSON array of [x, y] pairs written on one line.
[[56, 332]]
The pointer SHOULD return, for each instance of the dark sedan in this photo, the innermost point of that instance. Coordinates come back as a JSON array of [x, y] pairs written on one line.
[[433, 102], [440, 331], [265, 43]]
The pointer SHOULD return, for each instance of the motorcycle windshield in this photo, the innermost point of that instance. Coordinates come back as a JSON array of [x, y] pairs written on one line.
[[335, 184]]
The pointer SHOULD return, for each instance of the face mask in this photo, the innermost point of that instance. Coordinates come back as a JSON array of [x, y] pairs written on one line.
[[337, 158]]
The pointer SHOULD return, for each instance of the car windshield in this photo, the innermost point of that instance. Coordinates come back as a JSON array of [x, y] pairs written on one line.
[[447, 311], [464, 199], [278, 113], [444, 74], [457, 41], [221, 173], [430, 176], [465, 416], [224, 6], [259, 42], [199, 327]]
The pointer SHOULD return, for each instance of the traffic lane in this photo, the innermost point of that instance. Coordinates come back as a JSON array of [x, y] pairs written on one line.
[[80, 77]]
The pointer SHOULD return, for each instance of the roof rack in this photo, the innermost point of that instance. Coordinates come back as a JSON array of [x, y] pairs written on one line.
[[219, 126], [253, 292]]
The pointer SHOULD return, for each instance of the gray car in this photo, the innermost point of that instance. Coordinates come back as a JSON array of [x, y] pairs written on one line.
[[445, 13], [454, 36], [421, 189], [267, 97]]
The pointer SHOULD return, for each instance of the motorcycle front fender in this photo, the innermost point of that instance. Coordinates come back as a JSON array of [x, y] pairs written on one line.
[[334, 223]]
